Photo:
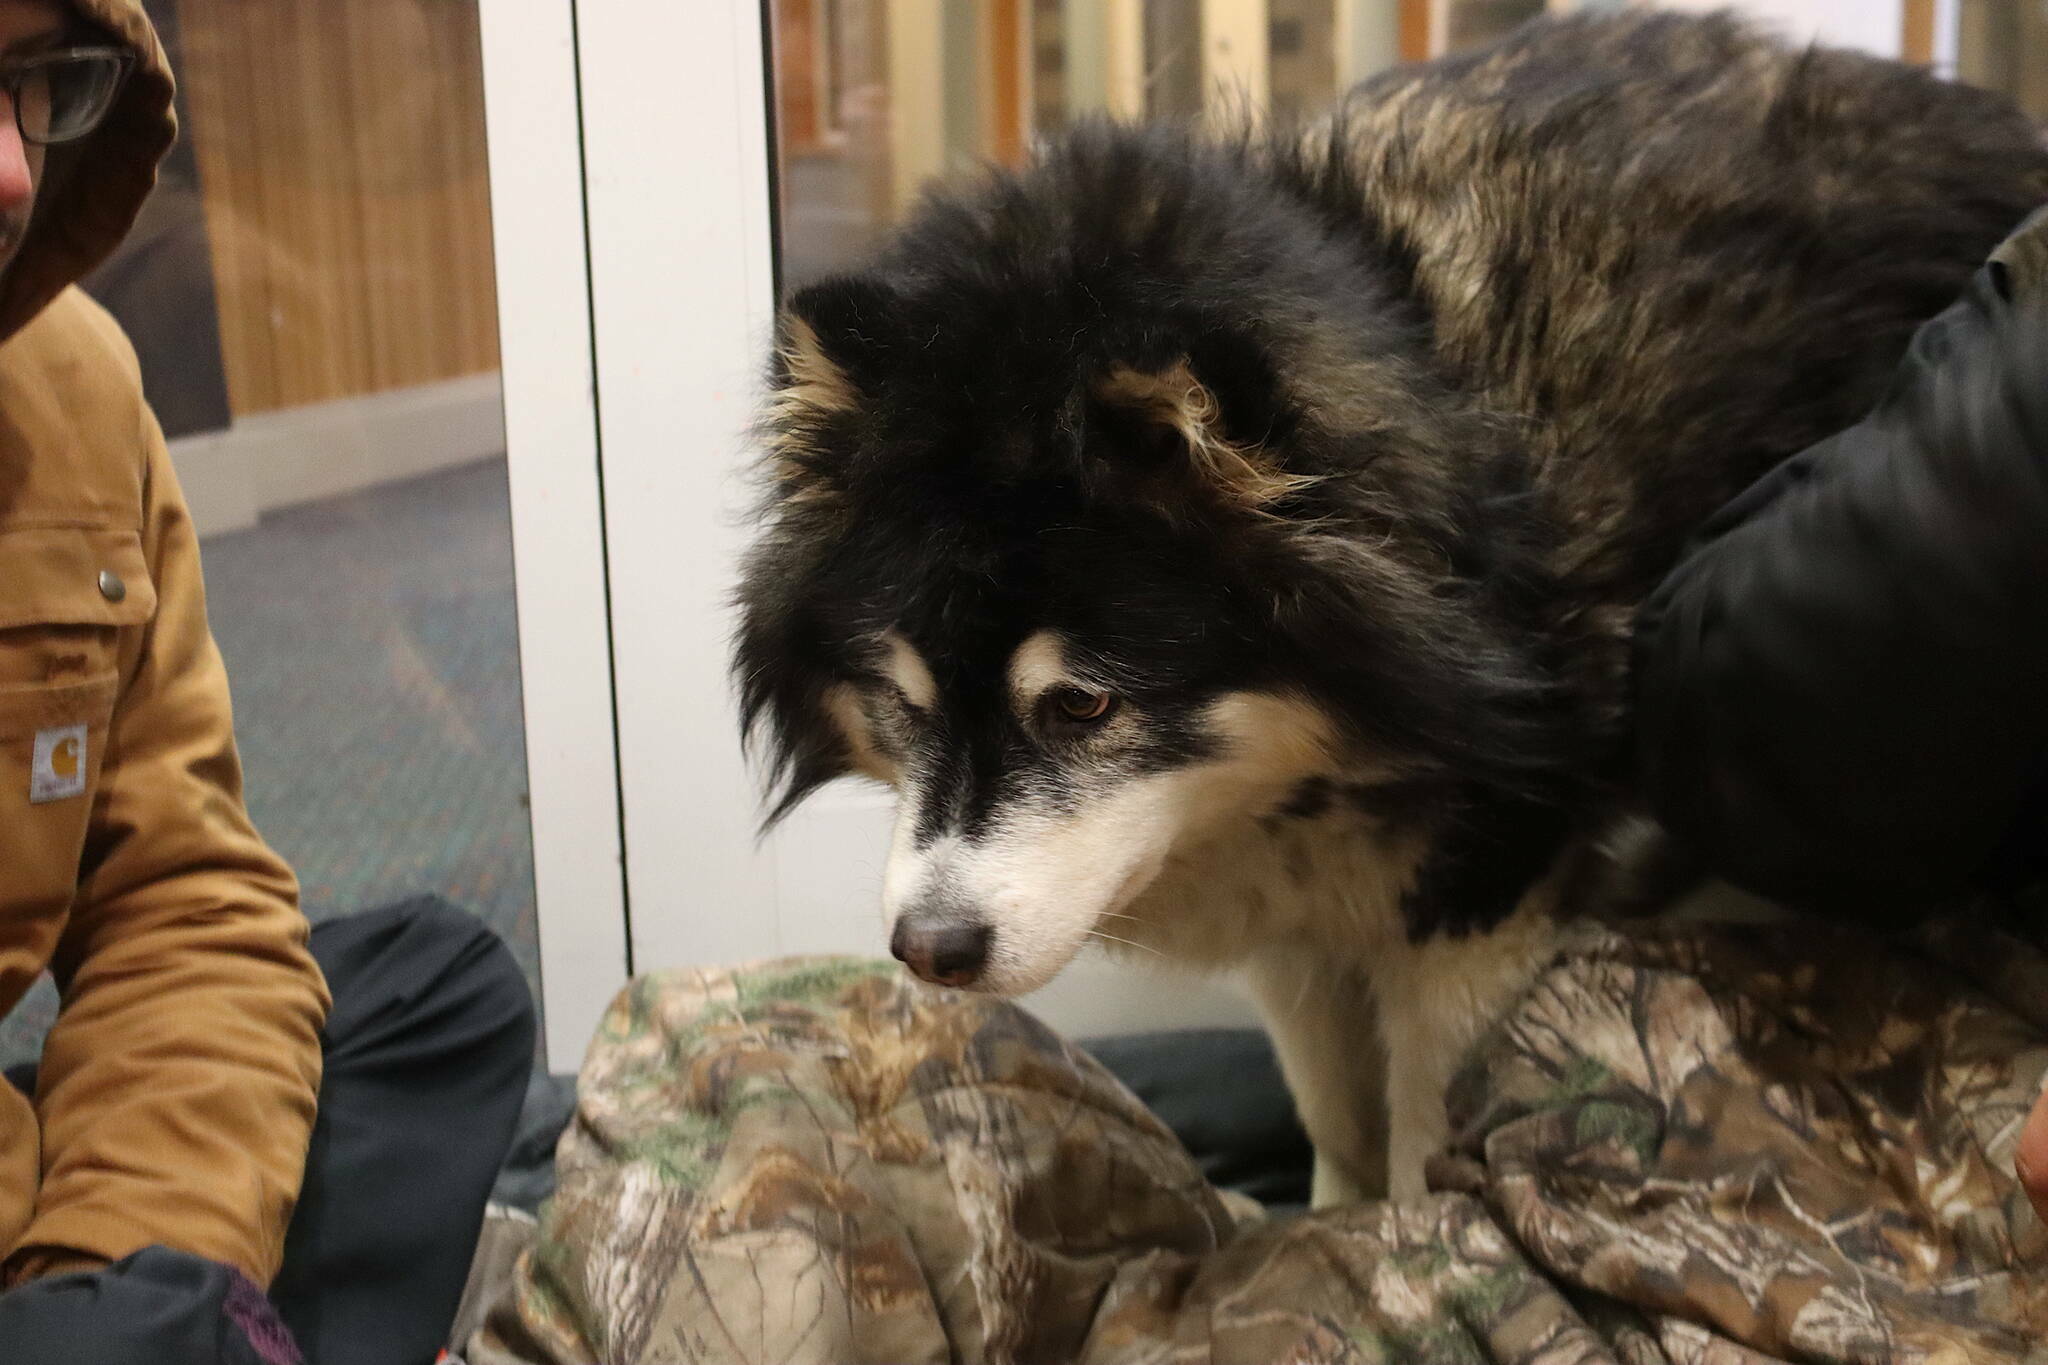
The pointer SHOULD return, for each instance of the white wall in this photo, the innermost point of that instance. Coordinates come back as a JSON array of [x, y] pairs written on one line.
[[236, 476], [1873, 25]]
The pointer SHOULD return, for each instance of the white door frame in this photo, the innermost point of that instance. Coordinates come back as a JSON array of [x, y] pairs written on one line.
[[676, 151], [532, 114]]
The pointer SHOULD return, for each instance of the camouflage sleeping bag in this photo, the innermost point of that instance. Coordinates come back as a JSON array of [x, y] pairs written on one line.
[[1701, 1145]]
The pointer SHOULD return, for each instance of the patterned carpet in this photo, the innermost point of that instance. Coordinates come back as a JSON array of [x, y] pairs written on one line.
[[373, 649]]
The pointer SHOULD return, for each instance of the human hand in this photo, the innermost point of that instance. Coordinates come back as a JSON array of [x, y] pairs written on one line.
[[2032, 1157]]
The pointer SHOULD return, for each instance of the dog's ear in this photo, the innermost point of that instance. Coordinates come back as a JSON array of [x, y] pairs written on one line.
[[1168, 415], [835, 334], [829, 344]]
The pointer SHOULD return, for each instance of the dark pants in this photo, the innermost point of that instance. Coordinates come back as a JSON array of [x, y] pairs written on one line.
[[427, 1053]]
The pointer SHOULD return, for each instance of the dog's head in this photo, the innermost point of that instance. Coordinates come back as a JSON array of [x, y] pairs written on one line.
[[1115, 502]]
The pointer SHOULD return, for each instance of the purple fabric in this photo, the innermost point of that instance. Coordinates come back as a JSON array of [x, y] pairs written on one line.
[[250, 1309]]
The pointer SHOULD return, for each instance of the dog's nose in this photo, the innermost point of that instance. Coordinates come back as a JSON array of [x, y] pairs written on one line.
[[947, 953]]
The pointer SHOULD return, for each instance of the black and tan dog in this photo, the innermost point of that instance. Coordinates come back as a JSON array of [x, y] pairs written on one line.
[[1228, 546]]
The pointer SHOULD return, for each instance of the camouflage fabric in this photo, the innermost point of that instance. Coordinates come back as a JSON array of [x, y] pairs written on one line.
[[1699, 1146]]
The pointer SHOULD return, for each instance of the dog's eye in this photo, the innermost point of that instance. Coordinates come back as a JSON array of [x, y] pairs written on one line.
[[1081, 707]]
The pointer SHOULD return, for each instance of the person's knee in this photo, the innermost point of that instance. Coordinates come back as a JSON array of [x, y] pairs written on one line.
[[500, 994], [421, 928], [481, 978], [424, 971]]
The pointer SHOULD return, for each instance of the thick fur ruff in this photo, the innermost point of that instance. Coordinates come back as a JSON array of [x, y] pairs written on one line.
[[1333, 464]]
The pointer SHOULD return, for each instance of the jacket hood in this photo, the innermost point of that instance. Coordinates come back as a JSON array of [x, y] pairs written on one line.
[[88, 211]]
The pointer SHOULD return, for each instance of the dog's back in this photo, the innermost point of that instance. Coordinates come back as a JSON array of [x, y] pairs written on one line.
[[1680, 250]]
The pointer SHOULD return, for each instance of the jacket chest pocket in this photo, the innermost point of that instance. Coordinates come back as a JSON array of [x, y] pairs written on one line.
[[66, 595]]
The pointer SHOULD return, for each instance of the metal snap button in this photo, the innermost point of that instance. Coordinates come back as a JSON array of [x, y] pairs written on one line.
[[111, 586]]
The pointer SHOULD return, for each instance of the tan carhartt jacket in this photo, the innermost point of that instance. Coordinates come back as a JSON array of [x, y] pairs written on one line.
[[176, 1093]]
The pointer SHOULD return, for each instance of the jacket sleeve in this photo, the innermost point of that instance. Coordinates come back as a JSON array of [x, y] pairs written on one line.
[[1842, 693], [177, 1089]]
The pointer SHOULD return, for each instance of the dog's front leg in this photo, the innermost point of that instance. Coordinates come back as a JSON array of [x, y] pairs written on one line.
[[1435, 999], [1323, 1026]]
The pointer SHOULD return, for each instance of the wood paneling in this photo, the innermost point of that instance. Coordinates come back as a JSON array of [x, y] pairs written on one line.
[[341, 154], [915, 79], [2003, 45], [800, 78], [1236, 75], [1009, 116], [1916, 39], [1418, 28]]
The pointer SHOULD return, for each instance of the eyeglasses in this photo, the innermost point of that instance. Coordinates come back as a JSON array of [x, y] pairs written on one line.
[[61, 96]]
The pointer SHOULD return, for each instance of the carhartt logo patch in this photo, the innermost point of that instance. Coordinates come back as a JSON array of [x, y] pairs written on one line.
[[59, 767]]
